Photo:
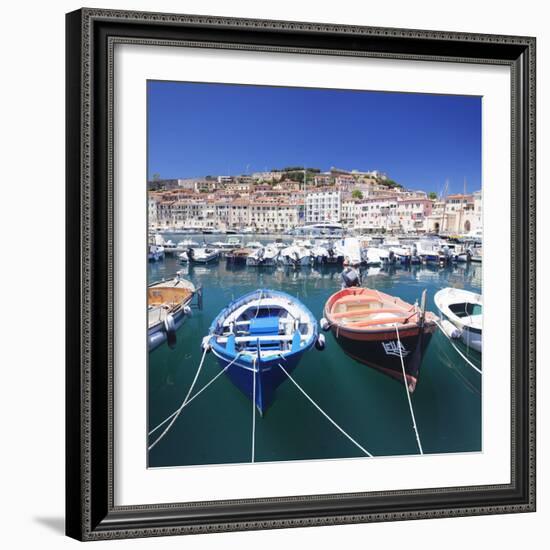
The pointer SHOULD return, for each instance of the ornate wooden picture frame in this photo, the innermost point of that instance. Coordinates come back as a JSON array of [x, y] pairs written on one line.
[[90, 509]]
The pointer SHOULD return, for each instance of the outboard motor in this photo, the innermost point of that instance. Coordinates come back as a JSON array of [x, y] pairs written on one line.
[[391, 257], [350, 277], [190, 253]]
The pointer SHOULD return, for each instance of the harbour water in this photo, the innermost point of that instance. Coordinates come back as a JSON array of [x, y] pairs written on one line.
[[216, 427]]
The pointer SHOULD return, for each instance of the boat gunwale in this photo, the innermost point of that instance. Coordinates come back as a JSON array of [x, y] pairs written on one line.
[[217, 323], [429, 319]]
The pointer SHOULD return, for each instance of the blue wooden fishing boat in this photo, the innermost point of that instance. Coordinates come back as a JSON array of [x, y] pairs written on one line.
[[258, 332]]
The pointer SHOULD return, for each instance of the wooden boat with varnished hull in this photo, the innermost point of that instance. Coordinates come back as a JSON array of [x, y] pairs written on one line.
[[380, 330]]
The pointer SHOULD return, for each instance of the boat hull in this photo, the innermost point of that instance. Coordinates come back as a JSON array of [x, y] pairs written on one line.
[[156, 335], [269, 376], [470, 336], [261, 262], [205, 259], [235, 259], [303, 261], [380, 350]]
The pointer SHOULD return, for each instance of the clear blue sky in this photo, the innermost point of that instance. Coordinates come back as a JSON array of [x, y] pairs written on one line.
[[419, 140]]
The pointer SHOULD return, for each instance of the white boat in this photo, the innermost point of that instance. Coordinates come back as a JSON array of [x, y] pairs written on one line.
[[477, 254], [202, 255], [462, 314], [401, 254], [335, 253], [305, 243], [230, 244], [263, 256], [279, 244], [254, 244], [295, 256], [319, 254], [373, 257], [188, 243], [155, 253], [378, 253], [168, 246], [352, 251], [429, 250]]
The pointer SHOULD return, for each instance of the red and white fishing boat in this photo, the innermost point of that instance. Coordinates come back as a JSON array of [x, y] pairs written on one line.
[[381, 331]]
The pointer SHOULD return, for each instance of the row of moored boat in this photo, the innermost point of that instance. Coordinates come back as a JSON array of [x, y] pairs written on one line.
[[350, 251], [260, 337]]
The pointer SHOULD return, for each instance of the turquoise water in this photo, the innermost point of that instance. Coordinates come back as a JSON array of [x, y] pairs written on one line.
[[372, 408]]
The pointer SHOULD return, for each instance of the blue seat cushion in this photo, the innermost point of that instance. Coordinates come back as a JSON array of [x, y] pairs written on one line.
[[264, 325]]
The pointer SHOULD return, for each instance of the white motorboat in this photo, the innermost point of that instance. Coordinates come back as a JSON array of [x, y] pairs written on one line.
[[305, 243], [263, 256], [462, 313], [352, 251], [335, 253], [188, 243], [401, 254], [202, 255], [376, 253], [319, 254], [231, 244], [477, 254], [373, 257], [429, 250], [295, 256], [155, 253]]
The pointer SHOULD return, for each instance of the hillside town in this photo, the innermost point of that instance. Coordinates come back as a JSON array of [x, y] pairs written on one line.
[[282, 200]]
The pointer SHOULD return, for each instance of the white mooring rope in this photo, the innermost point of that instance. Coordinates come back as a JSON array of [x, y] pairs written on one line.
[[178, 411], [324, 413], [189, 401], [457, 350], [407, 390]]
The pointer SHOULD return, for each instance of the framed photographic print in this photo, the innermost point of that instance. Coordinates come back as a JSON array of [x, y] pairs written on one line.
[[300, 274]]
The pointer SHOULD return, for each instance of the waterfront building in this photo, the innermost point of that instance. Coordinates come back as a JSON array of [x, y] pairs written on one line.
[[235, 202], [152, 201], [323, 205], [412, 213], [456, 214]]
